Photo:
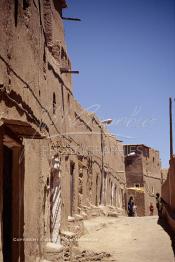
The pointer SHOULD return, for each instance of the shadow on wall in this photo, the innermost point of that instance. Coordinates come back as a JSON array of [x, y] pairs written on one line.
[[164, 224]]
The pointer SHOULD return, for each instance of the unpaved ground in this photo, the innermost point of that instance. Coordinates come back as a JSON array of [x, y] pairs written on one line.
[[128, 239]]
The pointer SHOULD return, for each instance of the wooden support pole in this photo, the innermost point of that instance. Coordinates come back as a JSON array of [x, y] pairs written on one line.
[[171, 128]]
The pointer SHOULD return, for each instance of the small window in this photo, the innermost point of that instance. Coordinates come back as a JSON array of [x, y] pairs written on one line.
[[137, 185], [26, 4], [54, 103], [62, 53], [72, 167], [129, 162], [153, 159], [68, 99], [16, 12]]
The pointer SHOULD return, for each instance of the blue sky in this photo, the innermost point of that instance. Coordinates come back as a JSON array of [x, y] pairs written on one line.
[[125, 52]]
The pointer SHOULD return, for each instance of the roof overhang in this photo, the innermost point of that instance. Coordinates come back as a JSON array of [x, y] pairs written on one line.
[[20, 128]]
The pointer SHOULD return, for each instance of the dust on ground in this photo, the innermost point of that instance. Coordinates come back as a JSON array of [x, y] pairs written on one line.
[[135, 239]]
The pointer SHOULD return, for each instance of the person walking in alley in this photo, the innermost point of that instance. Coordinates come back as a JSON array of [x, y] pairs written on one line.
[[159, 204], [131, 207], [151, 209]]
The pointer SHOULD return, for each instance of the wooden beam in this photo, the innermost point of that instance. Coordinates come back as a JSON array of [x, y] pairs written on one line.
[[65, 71], [71, 19]]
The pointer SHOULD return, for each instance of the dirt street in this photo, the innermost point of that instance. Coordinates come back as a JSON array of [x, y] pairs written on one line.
[[137, 239]]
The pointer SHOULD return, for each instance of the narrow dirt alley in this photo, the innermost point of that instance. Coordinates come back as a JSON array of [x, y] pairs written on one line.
[[137, 239]]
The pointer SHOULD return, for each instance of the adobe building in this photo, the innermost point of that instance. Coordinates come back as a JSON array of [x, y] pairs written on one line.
[[58, 163], [143, 176]]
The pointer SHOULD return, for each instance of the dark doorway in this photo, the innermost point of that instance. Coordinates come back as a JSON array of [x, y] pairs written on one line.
[[80, 188], [7, 204], [115, 196], [72, 167], [13, 200], [97, 196]]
